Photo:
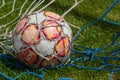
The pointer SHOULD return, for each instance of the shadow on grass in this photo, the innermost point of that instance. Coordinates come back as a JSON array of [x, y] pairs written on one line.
[[83, 15], [13, 69], [11, 62]]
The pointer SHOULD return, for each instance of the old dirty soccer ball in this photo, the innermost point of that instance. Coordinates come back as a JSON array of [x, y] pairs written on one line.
[[42, 39]]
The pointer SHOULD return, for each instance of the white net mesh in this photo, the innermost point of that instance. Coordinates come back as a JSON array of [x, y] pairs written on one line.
[[13, 11]]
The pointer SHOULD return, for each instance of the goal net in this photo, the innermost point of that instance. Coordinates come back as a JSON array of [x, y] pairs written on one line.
[[106, 54]]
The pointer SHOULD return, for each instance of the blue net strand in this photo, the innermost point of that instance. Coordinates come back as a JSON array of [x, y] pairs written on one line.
[[109, 9], [116, 37], [16, 63], [90, 54], [63, 78], [85, 54]]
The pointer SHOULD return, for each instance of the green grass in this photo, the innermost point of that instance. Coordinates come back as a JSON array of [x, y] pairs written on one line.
[[98, 35]]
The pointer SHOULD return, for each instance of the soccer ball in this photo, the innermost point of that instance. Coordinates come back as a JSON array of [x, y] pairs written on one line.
[[42, 39]]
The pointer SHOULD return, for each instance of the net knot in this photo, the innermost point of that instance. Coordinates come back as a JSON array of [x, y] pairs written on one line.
[[97, 50], [92, 54]]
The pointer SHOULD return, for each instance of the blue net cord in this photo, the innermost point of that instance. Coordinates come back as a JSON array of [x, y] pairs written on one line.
[[6, 58], [88, 54], [109, 9], [63, 78], [101, 18]]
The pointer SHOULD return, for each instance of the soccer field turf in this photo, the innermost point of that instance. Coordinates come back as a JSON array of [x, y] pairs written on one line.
[[98, 35]]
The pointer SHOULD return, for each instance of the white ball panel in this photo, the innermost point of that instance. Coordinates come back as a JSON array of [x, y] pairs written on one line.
[[18, 44], [41, 17], [66, 29], [45, 47], [32, 19]]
